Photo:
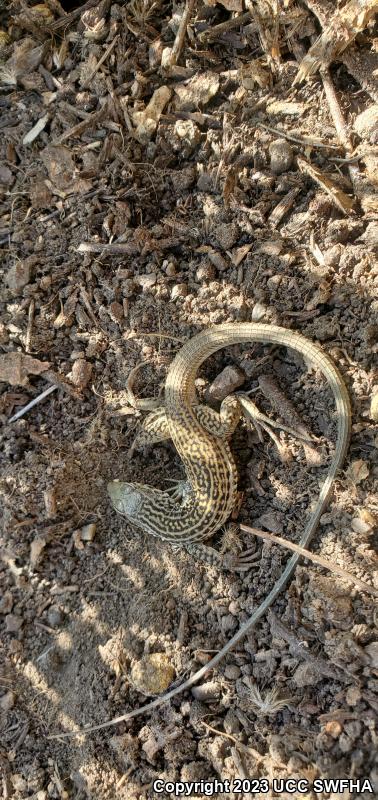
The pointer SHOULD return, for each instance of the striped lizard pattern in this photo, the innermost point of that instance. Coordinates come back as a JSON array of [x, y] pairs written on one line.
[[209, 491], [200, 435]]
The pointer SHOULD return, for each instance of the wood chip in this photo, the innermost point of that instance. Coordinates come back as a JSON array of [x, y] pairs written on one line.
[[15, 368], [345, 203]]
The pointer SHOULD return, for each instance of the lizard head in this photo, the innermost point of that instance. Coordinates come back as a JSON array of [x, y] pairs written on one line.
[[125, 497]]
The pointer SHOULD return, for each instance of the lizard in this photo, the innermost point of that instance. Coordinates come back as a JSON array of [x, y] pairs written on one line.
[[209, 492]]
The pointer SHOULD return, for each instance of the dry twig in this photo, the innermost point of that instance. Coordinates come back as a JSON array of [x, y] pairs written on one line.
[[342, 29], [174, 55], [32, 403], [323, 562]]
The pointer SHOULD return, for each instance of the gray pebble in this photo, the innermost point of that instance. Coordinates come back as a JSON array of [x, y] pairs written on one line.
[[281, 156]]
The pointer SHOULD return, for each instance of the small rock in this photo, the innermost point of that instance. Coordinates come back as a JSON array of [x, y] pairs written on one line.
[[353, 695], [364, 523], [18, 276], [332, 255], [196, 92], [232, 672], [88, 532], [54, 616], [151, 747], [366, 124], [372, 651], [274, 282], [345, 743], [225, 383], [81, 373], [281, 156], [374, 407], [206, 271], [179, 290], [353, 729], [146, 281], [188, 132], [370, 235], [272, 521], [227, 235], [7, 701], [6, 603], [18, 782], [218, 260], [333, 728], [36, 549], [170, 269], [6, 176], [306, 675], [206, 691], [258, 312], [205, 181], [231, 722], [13, 623], [152, 674]]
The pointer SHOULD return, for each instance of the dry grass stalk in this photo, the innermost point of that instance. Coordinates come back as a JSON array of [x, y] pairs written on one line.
[[268, 704]]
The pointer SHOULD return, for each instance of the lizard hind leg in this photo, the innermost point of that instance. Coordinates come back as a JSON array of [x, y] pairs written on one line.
[[154, 429], [232, 562], [253, 415], [222, 423]]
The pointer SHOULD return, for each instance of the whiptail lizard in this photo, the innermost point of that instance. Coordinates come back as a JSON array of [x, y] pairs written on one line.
[[210, 490]]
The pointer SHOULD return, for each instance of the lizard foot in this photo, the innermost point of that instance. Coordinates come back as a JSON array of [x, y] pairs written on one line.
[[232, 562]]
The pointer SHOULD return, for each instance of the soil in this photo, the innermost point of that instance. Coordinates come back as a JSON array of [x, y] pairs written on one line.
[[123, 233]]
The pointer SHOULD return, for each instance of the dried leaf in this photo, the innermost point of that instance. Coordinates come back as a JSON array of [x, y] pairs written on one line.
[[198, 91], [67, 311], [358, 471], [16, 367], [239, 254], [255, 72], [59, 164], [36, 548], [320, 296], [24, 60], [341, 200]]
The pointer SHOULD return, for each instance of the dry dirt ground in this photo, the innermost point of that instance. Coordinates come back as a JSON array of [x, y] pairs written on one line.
[[142, 201]]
